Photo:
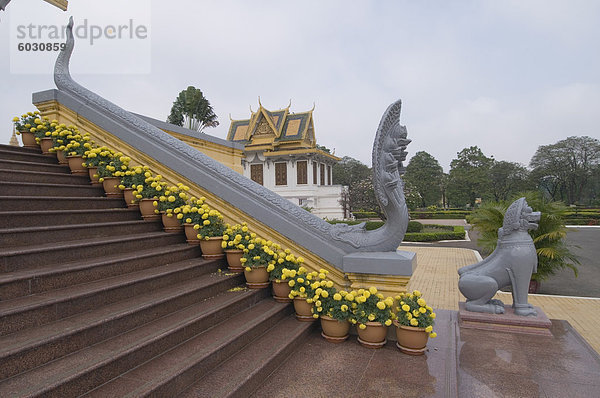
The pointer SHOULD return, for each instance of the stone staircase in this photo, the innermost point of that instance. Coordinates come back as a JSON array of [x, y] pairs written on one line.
[[95, 301]]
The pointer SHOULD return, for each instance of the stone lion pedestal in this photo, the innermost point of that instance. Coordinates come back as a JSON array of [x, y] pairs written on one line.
[[507, 322]]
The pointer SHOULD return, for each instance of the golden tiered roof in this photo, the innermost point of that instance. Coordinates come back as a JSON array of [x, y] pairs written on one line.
[[276, 132]]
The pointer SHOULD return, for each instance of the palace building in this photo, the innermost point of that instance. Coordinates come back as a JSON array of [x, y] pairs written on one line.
[[281, 154]]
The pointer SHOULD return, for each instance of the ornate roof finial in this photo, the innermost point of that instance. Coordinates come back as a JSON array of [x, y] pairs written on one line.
[[13, 139], [251, 111], [259, 102], [290, 104], [313, 108], [230, 118]]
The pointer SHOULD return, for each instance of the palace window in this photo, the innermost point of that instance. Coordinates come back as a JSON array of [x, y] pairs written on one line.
[[280, 173], [314, 181], [322, 174], [256, 173], [301, 173]]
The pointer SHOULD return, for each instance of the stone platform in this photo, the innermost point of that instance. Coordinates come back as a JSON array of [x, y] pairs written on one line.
[[460, 362], [507, 322]]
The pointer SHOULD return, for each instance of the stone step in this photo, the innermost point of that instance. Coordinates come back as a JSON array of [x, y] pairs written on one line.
[[7, 164], [20, 149], [8, 175], [39, 309], [169, 374], [23, 219], [60, 252], [55, 190], [19, 237], [181, 345], [22, 203], [201, 296], [244, 376], [57, 276], [27, 156]]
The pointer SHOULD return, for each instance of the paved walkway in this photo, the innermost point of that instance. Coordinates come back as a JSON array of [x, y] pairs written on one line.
[[437, 278]]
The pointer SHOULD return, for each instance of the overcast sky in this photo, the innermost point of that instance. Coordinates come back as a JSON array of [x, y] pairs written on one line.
[[507, 76]]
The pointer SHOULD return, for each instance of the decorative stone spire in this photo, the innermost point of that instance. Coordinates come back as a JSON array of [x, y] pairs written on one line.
[[13, 139]]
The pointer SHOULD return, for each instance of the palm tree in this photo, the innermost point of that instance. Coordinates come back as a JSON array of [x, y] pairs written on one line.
[[549, 238], [192, 110]]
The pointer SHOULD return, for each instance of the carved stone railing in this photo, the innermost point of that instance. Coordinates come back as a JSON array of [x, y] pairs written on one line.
[[351, 249]]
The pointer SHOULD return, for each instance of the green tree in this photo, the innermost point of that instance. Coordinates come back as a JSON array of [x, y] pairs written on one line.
[[357, 177], [362, 197], [192, 110], [424, 174], [469, 177], [507, 179], [549, 238], [349, 171], [565, 170]]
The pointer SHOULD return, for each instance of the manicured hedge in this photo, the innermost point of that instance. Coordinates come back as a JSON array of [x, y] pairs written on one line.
[[442, 215], [370, 225], [414, 226], [458, 233], [582, 221], [364, 214]]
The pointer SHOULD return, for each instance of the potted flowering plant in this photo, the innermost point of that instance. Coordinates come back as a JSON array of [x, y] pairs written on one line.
[[130, 179], [256, 258], [334, 309], [146, 193], [110, 174], [414, 323], [59, 133], [210, 232], [236, 239], [95, 157], [23, 126], [373, 314], [170, 204], [304, 285], [41, 132], [284, 259], [191, 215], [74, 149]]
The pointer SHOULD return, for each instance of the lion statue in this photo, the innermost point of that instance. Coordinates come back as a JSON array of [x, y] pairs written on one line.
[[512, 263]]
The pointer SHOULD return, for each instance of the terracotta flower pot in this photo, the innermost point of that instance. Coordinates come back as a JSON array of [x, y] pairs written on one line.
[[46, 144], [129, 198], [334, 331], [93, 172], [281, 291], [76, 165], [257, 278], [211, 247], [28, 139], [191, 234], [171, 224], [373, 336], [303, 310], [62, 159], [111, 187], [233, 260], [147, 210], [411, 340]]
